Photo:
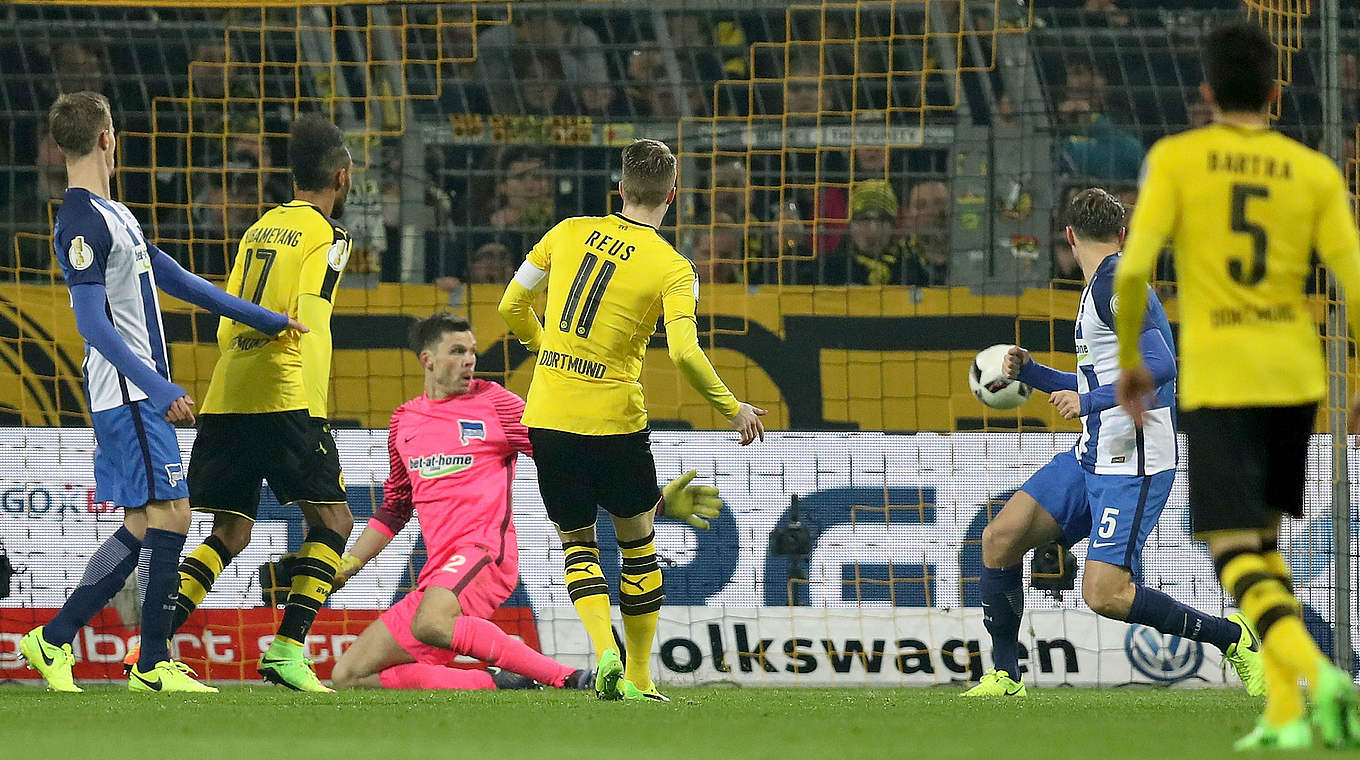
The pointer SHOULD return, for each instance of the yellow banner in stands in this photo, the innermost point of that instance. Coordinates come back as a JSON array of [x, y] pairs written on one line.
[[839, 358]]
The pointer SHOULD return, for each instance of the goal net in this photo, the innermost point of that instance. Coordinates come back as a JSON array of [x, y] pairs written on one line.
[[870, 191]]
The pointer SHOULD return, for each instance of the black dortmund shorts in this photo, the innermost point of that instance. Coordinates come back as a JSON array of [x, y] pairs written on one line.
[[234, 452], [1246, 464], [579, 473]]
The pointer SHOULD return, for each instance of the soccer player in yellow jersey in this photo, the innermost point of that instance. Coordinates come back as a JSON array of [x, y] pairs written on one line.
[[264, 416], [1244, 208], [609, 279]]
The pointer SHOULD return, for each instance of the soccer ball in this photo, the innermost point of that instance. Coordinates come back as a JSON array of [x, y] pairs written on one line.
[[989, 382]]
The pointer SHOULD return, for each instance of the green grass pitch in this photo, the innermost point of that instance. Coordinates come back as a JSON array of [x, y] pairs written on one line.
[[258, 723]]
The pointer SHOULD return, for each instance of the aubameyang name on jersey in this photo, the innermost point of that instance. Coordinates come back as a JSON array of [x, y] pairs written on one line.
[[610, 245], [1252, 164], [274, 236], [570, 363]]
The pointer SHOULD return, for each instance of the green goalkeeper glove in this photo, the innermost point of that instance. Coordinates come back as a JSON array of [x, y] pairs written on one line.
[[349, 565], [695, 505]]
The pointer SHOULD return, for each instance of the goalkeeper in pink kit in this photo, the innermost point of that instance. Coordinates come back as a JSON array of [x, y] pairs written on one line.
[[453, 452]]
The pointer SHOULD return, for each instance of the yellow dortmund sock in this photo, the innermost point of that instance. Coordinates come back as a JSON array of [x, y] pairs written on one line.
[[1266, 601], [313, 572], [640, 596], [1284, 699], [1295, 633], [1279, 568], [589, 592], [197, 573]]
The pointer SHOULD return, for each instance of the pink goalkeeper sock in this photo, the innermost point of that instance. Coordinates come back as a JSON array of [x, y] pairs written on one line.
[[417, 675], [485, 640]]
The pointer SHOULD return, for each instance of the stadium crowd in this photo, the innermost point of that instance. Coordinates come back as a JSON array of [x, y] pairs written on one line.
[[862, 215]]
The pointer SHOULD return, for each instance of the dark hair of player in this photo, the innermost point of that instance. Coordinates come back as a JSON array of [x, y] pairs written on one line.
[[1239, 61], [76, 119], [316, 151], [427, 333], [1096, 215], [648, 173]]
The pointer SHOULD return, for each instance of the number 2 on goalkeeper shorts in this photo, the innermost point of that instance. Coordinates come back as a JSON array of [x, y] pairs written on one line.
[[455, 562]]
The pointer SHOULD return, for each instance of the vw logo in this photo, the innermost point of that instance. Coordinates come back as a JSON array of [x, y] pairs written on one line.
[[1161, 656]]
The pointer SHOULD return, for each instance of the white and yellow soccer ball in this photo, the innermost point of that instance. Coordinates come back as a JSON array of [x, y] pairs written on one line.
[[989, 383]]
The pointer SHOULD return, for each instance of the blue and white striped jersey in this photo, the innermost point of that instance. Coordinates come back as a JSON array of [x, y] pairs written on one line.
[[99, 241], [1110, 443]]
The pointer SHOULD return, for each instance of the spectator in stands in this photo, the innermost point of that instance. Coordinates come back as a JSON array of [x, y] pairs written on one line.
[[806, 91], [651, 91], [1084, 82], [525, 191], [212, 79], [719, 49], [1094, 146], [792, 235], [521, 209], [1107, 11], [540, 84], [225, 202], [926, 223], [29, 209], [731, 195], [717, 248], [872, 253], [832, 211], [79, 66], [491, 263], [577, 46]]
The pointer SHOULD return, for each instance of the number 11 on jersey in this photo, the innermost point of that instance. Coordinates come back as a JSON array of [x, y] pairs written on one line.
[[593, 298]]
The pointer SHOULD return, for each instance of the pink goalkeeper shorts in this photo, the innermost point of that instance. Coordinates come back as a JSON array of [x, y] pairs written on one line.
[[481, 585]]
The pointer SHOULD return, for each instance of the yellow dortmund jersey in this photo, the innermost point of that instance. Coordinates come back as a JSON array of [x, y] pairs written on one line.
[[1244, 209], [288, 261], [609, 279]]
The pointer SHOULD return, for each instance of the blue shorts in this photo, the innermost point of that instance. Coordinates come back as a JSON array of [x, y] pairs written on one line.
[[1117, 512], [136, 457]]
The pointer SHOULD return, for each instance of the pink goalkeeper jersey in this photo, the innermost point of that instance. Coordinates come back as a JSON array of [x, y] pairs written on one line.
[[453, 463]]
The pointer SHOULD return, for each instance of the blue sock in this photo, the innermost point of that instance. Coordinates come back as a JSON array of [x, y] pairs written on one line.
[[158, 574], [105, 574], [1003, 602], [1153, 608]]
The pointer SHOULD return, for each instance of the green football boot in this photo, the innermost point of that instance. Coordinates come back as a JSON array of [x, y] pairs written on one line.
[[1245, 657], [631, 693], [292, 672], [1335, 712], [608, 675], [53, 663], [997, 683], [1295, 734], [166, 676]]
